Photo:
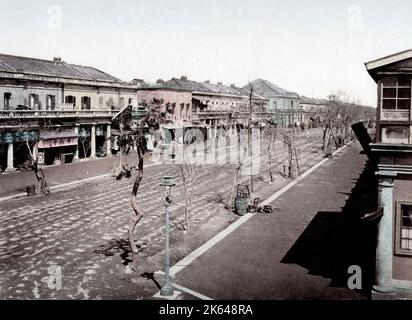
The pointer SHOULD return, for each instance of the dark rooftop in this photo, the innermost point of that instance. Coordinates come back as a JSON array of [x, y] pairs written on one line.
[[52, 68], [268, 89]]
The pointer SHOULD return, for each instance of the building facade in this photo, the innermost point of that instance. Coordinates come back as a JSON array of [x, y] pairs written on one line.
[[62, 110], [221, 107], [393, 153], [282, 104], [65, 112], [312, 110]]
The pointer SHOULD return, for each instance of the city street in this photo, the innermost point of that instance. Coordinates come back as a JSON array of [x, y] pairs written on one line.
[[81, 231]]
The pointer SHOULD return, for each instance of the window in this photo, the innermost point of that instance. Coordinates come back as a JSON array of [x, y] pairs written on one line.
[[50, 102], [110, 102], [34, 102], [404, 228], [85, 103], [7, 100], [70, 101], [396, 93], [182, 111], [291, 104], [101, 102], [130, 101], [121, 103]]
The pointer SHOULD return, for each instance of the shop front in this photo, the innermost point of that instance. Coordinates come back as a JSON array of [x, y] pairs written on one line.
[[13, 149], [58, 148]]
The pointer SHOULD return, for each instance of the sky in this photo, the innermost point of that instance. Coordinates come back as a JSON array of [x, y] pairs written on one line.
[[310, 47]]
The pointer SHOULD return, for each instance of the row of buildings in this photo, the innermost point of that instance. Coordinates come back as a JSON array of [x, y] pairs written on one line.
[[68, 109]]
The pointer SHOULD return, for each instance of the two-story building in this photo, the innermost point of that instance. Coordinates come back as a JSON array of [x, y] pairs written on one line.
[[312, 110], [218, 106], [283, 104], [65, 110], [393, 153]]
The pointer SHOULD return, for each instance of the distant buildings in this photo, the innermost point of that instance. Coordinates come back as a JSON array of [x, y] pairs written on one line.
[[393, 151], [284, 105], [312, 110], [78, 104], [217, 106]]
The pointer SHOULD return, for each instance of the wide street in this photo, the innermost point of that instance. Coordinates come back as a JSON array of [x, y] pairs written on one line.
[[80, 232]]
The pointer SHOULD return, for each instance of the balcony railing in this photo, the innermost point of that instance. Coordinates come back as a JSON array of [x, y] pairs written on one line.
[[4, 114]]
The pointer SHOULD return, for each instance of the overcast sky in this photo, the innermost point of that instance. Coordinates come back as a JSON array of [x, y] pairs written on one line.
[[310, 47]]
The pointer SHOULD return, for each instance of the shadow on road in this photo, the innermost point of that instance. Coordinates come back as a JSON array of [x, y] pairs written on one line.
[[333, 241], [114, 247]]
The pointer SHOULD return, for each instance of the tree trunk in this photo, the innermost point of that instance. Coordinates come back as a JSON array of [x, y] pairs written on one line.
[[232, 190], [186, 191], [138, 215], [41, 178]]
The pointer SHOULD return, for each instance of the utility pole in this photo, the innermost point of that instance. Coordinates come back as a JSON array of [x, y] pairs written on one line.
[[250, 137]]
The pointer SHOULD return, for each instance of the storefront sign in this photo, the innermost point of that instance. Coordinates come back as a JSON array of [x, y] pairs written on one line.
[[58, 142]]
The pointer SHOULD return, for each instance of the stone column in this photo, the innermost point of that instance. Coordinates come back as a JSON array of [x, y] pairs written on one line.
[[109, 140], [76, 155], [93, 142], [384, 250], [10, 158], [35, 151], [209, 133]]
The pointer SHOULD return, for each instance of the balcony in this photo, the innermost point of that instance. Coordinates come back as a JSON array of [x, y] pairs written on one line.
[[45, 114]]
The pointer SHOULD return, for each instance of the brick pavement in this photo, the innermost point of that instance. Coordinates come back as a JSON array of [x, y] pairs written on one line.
[[83, 230], [16, 182], [301, 252]]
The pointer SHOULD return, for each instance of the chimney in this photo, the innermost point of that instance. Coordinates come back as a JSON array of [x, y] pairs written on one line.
[[220, 83], [233, 86], [57, 59], [207, 81], [184, 78], [160, 81]]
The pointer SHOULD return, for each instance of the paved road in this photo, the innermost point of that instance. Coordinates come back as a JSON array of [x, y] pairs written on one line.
[[15, 182], [293, 254], [83, 230]]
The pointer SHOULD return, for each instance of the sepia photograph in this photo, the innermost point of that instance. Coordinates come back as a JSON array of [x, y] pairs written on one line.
[[184, 151]]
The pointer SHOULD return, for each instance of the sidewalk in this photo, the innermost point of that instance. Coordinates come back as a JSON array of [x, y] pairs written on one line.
[[300, 252], [16, 182]]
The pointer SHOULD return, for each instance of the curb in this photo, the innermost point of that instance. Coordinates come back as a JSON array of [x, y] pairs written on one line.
[[68, 184]]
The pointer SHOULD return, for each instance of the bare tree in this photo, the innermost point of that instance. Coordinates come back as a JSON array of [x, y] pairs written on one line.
[[86, 146], [271, 137], [32, 141], [340, 114], [135, 135], [191, 169], [289, 141]]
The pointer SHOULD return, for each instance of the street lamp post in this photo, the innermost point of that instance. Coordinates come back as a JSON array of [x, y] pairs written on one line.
[[167, 184]]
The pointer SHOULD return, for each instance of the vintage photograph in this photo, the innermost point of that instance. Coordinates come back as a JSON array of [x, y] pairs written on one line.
[[205, 150]]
